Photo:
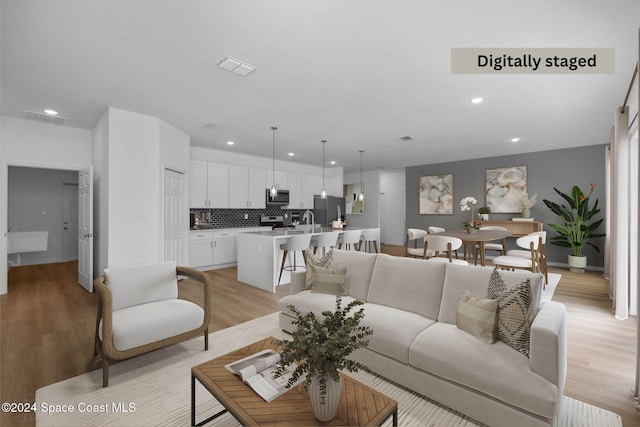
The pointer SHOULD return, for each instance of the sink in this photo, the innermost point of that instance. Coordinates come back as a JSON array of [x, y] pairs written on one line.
[[27, 241], [309, 227]]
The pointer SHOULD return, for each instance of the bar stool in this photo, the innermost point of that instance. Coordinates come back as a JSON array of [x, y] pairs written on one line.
[[324, 241], [351, 239], [294, 244], [369, 236]]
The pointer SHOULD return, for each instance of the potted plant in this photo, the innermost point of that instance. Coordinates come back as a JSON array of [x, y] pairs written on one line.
[[484, 212], [471, 227], [320, 349], [578, 225]]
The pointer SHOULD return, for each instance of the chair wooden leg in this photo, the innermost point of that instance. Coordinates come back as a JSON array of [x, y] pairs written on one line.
[[284, 258], [206, 339], [375, 245], [105, 372]]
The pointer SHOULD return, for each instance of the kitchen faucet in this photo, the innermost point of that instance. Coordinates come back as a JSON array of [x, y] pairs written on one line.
[[306, 220]]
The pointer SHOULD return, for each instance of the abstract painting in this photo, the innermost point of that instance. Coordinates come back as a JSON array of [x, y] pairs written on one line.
[[436, 194], [505, 188]]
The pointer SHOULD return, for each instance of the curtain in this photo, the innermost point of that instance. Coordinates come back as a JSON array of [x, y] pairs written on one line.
[[619, 273]]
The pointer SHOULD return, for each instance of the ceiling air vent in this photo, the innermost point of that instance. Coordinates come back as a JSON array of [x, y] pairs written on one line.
[[210, 125], [406, 138], [42, 117]]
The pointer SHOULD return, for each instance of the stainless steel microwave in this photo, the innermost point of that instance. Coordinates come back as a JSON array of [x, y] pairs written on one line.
[[281, 199]]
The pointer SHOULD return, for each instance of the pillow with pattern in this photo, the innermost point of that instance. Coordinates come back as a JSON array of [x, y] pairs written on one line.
[[324, 261], [514, 312], [327, 281]]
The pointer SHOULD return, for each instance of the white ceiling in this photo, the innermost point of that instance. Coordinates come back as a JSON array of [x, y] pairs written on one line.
[[359, 73]]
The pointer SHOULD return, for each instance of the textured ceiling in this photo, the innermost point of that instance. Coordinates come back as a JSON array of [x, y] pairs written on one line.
[[358, 73]]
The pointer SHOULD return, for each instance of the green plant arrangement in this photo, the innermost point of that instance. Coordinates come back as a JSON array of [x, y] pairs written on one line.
[[471, 227], [576, 229], [321, 347], [485, 210]]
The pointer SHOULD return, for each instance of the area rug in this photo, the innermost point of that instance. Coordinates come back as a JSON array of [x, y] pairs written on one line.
[[550, 288], [154, 390]]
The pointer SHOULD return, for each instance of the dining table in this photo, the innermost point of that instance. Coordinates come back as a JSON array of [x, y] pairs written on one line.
[[479, 237]]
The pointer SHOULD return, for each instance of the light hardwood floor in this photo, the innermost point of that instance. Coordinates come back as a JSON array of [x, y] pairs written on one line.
[[47, 324]]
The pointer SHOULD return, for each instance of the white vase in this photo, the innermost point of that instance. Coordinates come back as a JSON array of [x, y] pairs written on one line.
[[577, 264], [526, 213], [484, 217], [328, 410]]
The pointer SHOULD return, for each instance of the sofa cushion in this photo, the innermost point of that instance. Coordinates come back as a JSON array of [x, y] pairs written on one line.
[[409, 284], [476, 280], [324, 261], [307, 301], [478, 317], [492, 369], [141, 283], [359, 270], [393, 330], [327, 281], [146, 323]]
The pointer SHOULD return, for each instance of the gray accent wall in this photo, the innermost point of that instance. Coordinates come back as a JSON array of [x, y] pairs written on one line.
[[546, 169]]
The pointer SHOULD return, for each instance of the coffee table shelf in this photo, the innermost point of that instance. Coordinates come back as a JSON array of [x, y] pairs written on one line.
[[359, 404]]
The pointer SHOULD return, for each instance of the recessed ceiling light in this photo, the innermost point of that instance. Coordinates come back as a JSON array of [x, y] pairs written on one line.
[[333, 162], [515, 139], [477, 100], [230, 142], [290, 154], [236, 66], [51, 112]]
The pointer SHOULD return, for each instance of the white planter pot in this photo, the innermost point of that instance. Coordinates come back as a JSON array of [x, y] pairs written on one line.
[[484, 217], [577, 264], [328, 410]]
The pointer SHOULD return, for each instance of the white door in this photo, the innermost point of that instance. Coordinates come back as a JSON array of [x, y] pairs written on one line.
[[85, 228], [70, 211], [174, 217]]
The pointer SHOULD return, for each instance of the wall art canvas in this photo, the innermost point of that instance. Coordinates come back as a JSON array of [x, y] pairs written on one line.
[[436, 194], [504, 189], [351, 193]]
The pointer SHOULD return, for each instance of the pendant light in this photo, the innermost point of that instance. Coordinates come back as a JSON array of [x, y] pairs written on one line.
[[323, 194], [361, 196], [274, 190]]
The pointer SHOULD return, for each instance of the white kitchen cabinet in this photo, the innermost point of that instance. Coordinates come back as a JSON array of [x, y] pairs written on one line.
[[247, 187], [300, 191], [201, 248], [224, 246], [280, 181], [208, 185], [333, 186]]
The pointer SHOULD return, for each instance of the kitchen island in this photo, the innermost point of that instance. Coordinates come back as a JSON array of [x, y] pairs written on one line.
[[260, 256]]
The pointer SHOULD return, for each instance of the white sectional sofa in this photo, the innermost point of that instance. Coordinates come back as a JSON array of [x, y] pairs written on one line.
[[411, 306]]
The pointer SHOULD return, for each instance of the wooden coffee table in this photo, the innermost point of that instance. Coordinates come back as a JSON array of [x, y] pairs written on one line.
[[359, 405]]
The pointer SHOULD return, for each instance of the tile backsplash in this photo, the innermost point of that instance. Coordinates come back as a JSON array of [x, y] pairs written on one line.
[[235, 218]]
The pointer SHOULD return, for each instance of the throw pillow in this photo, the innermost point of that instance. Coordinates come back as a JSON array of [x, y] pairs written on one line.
[[514, 312], [327, 281], [324, 261], [478, 317]]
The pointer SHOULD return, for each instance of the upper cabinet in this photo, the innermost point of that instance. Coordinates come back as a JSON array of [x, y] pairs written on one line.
[[247, 187], [300, 191], [208, 185], [281, 181], [333, 186]]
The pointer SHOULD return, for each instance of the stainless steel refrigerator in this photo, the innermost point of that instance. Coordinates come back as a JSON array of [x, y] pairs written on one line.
[[329, 209]]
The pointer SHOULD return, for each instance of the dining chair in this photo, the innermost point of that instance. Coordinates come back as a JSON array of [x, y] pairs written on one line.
[[294, 244], [443, 245], [368, 237], [414, 235], [530, 242], [324, 241], [490, 246], [435, 230], [350, 240], [542, 253]]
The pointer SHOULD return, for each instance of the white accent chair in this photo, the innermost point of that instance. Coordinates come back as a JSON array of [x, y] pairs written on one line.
[[542, 253], [435, 230], [350, 240], [490, 246], [443, 245], [140, 311], [324, 241], [414, 235], [368, 237], [298, 243], [530, 242]]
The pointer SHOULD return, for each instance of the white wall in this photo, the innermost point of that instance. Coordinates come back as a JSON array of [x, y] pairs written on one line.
[[392, 207], [35, 144], [100, 191]]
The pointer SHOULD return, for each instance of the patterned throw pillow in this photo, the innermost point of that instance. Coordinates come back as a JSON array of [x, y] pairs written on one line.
[[514, 312], [327, 281], [324, 261], [478, 317]]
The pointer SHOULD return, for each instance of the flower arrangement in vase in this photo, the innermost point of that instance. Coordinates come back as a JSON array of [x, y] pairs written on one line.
[[527, 203], [464, 206], [320, 349]]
